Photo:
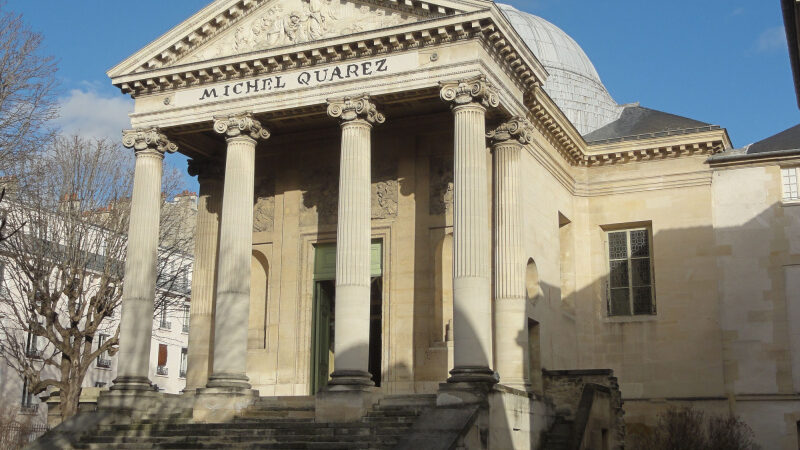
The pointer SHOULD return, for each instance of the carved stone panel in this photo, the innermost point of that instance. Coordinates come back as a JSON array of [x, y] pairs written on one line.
[[320, 196], [441, 184], [384, 190], [264, 206], [288, 22]]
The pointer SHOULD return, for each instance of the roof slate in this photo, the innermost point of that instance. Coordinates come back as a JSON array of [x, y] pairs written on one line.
[[637, 120], [788, 139]]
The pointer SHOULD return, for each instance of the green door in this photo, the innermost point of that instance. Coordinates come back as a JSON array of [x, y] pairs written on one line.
[[323, 311], [324, 306]]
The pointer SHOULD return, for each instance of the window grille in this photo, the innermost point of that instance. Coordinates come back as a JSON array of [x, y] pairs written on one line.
[[791, 192], [27, 406], [630, 278]]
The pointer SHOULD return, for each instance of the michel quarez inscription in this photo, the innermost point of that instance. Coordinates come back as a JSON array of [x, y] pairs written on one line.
[[279, 82]]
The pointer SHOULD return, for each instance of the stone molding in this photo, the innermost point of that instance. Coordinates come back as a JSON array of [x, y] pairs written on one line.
[[355, 108], [517, 129], [236, 125], [156, 76], [470, 90], [148, 139]]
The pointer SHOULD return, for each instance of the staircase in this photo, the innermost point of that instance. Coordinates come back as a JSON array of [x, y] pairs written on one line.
[[559, 437], [277, 422]]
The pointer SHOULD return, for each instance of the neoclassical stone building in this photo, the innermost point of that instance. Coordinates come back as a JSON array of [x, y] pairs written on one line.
[[441, 197]]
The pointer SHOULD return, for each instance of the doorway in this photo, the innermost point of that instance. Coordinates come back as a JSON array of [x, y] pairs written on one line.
[[324, 318]]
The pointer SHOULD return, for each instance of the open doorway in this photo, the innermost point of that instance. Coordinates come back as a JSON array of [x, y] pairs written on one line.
[[324, 319]]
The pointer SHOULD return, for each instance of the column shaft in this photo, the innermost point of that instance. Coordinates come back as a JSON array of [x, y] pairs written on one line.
[[353, 235], [510, 319], [472, 332], [139, 289], [233, 273], [204, 275]]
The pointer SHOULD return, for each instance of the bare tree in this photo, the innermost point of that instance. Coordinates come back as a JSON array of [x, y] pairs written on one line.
[[27, 89], [65, 266]]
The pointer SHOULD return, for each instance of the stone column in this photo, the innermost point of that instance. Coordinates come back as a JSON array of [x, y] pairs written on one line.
[[510, 316], [353, 236], [235, 248], [472, 309], [139, 288], [204, 276]]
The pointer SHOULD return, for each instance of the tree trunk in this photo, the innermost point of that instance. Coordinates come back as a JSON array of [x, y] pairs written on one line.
[[70, 397]]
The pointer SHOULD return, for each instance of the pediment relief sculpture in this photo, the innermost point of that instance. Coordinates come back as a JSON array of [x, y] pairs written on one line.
[[289, 22]]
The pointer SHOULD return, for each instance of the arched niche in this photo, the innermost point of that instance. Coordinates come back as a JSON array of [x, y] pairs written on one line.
[[443, 289], [259, 293]]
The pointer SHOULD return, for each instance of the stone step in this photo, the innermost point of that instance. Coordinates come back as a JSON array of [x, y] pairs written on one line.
[[408, 400]]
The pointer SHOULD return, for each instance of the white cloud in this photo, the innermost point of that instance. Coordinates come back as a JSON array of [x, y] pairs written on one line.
[[773, 38], [90, 114]]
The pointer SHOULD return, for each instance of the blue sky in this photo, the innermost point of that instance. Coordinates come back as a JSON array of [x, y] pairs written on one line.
[[719, 61]]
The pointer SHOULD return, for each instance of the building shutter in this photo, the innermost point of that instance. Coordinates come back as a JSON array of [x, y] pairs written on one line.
[[162, 354]]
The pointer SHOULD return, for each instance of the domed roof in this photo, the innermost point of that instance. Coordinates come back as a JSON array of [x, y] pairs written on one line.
[[574, 83]]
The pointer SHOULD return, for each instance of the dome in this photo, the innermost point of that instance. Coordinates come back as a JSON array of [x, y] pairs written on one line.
[[573, 84]]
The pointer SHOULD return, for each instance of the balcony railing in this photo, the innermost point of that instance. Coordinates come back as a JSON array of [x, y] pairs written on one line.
[[165, 325], [162, 370], [33, 353], [104, 363], [186, 328], [182, 374]]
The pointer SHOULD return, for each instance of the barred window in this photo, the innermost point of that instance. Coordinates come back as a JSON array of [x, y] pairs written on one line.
[[630, 278], [789, 178]]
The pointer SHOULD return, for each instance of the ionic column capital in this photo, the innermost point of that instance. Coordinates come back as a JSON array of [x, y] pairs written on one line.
[[470, 90], [516, 130], [240, 125], [349, 109], [148, 141], [206, 169]]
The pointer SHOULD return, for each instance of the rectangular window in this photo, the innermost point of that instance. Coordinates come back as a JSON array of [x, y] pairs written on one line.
[[790, 189], [32, 347], [27, 406], [184, 352], [161, 369], [103, 360], [3, 288], [164, 323], [630, 277], [185, 318]]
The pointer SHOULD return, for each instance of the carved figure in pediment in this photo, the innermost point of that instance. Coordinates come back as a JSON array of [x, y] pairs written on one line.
[[290, 22]]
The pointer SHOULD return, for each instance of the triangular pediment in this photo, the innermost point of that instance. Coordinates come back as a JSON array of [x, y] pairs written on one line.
[[233, 27], [280, 23]]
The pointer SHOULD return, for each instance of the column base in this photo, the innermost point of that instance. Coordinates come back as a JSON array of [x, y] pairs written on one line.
[[123, 383], [354, 378], [228, 381], [134, 403], [344, 403], [221, 404], [473, 374]]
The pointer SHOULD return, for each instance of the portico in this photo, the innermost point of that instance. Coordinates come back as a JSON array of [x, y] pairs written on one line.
[[355, 139]]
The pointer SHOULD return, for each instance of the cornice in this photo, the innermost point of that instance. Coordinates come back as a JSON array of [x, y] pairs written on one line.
[[702, 143], [221, 15], [466, 26], [551, 122]]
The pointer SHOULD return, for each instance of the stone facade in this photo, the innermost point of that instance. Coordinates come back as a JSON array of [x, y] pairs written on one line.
[[494, 255]]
